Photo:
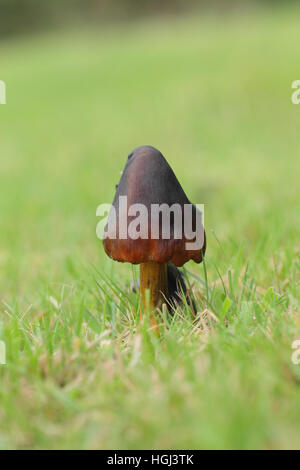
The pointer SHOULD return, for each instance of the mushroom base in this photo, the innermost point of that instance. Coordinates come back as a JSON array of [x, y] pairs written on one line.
[[154, 278]]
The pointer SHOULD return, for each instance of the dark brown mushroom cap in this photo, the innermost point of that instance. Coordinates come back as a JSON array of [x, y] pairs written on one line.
[[148, 179]]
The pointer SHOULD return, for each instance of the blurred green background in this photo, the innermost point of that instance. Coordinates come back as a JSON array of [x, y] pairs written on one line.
[[213, 93], [210, 86], [19, 16]]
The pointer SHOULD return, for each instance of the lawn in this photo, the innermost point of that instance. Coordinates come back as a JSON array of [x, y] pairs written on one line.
[[82, 371]]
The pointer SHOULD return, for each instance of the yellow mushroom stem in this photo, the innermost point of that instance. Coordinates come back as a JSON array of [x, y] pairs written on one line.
[[154, 278]]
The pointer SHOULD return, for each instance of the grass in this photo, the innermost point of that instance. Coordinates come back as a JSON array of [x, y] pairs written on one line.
[[214, 95]]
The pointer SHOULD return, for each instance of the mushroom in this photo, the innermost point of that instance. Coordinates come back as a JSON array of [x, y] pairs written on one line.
[[177, 289], [148, 187]]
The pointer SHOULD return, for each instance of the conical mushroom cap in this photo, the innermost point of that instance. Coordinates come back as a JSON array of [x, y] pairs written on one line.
[[149, 180]]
